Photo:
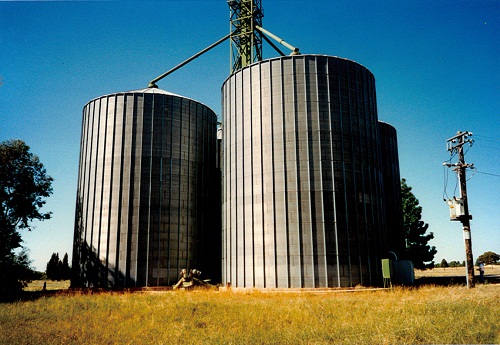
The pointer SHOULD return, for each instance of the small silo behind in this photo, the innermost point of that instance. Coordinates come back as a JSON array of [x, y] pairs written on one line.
[[392, 190], [145, 190]]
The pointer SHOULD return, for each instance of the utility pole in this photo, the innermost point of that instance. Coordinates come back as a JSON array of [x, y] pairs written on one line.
[[459, 208]]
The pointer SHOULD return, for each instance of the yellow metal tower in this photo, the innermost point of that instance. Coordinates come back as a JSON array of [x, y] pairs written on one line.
[[246, 39]]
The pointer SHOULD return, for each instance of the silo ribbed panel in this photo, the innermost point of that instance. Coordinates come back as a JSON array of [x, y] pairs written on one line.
[[302, 184], [144, 209]]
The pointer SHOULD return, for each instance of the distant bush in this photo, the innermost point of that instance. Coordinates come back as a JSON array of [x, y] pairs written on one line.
[[456, 264], [445, 264]]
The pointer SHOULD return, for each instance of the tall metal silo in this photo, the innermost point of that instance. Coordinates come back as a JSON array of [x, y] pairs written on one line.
[[302, 181], [144, 208]]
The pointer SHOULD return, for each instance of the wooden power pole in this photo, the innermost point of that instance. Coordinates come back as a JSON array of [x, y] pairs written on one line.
[[459, 208]]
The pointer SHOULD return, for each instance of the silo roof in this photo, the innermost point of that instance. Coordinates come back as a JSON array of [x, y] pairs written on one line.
[[155, 90], [300, 56], [152, 90]]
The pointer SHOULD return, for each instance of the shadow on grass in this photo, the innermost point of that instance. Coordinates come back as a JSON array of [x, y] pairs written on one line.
[[27, 296]]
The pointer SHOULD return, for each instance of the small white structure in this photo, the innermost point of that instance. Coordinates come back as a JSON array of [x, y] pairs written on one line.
[[456, 208]]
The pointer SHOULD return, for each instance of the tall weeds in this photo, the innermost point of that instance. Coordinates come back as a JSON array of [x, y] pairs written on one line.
[[401, 316]]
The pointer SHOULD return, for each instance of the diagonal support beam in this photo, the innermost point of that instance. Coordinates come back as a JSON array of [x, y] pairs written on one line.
[[152, 83], [295, 50]]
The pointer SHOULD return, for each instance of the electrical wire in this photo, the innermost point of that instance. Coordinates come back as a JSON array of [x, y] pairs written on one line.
[[445, 182], [486, 173], [468, 148], [456, 187], [488, 147], [486, 138], [446, 164], [453, 152], [474, 171]]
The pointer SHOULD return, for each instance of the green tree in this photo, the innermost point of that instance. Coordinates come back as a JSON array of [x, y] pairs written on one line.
[[489, 258], [65, 269], [15, 273], [417, 248], [57, 269], [53, 267], [444, 263], [24, 185]]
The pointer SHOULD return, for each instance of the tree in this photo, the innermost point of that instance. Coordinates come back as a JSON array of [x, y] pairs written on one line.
[[52, 270], [24, 185], [417, 248], [65, 269], [444, 263], [15, 272], [57, 269], [489, 258]]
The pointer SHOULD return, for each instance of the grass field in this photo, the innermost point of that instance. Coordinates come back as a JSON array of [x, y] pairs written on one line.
[[431, 314], [51, 285], [452, 276], [456, 271]]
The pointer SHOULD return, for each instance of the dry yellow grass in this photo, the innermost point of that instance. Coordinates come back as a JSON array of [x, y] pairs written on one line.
[[52, 285], [456, 271], [451, 315]]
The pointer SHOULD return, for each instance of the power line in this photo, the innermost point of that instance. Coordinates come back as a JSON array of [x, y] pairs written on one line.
[[488, 147], [483, 137], [486, 173]]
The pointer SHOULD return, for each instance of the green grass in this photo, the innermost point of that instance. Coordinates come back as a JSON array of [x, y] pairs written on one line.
[[453, 315]]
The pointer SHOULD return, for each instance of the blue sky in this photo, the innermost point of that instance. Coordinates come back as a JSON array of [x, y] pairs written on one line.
[[435, 63]]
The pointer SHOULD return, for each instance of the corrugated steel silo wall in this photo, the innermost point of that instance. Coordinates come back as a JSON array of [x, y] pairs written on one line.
[[302, 198], [144, 209]]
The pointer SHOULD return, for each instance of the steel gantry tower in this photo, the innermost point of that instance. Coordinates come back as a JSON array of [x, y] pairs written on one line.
[[246, 39]]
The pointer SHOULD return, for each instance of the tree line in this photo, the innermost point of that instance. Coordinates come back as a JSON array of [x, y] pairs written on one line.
[[488, 258], [446, 264], [57, 269]]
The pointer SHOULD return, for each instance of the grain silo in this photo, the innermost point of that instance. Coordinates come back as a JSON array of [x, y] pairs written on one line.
[[302, 176], [144, 208]]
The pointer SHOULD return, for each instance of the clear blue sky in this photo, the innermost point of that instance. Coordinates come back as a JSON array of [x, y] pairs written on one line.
[[436, 65]]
